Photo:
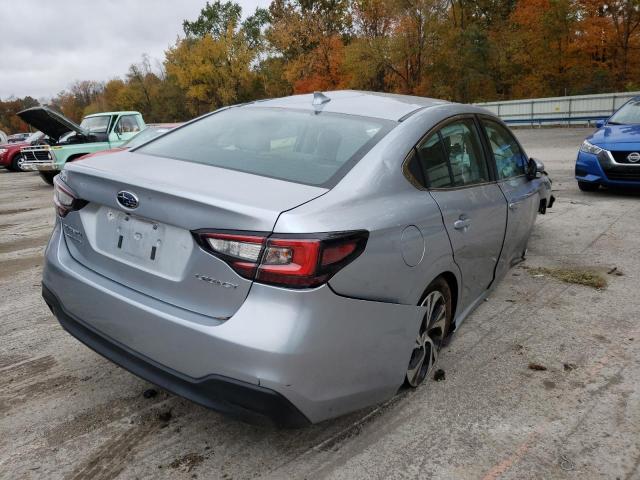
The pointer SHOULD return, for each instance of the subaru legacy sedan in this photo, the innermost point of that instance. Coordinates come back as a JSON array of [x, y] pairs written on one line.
[[610, 156], [292, 259]]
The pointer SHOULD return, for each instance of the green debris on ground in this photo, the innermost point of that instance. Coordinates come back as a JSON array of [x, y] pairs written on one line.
[[578, 276]]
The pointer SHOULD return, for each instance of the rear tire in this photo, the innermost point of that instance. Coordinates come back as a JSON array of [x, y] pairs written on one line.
[[433, 330], [588, 186], [47, 177]]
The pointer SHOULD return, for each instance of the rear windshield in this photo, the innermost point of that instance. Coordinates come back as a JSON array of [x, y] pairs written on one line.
[[292, 145]]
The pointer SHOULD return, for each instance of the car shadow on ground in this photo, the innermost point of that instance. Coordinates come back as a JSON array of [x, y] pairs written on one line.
[[613, 193]]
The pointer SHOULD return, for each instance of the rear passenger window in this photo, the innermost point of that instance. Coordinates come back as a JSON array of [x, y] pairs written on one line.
[[413, 170], [453, 156], [510, 161], [434, 163]]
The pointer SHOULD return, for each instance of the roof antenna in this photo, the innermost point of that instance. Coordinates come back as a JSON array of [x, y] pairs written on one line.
[[320, 98]]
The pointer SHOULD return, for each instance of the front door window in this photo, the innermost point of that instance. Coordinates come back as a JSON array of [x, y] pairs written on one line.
[[510, 161]]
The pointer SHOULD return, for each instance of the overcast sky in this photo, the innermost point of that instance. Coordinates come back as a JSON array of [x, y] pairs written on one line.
[[45, 45]]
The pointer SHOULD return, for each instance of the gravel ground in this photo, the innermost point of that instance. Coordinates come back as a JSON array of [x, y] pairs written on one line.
[[65, 412]]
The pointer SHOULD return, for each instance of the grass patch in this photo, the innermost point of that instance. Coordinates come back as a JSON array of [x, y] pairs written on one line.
[[588, 278]]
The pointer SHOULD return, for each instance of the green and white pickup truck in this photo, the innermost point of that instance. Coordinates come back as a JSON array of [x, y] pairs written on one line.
[[69, 141]]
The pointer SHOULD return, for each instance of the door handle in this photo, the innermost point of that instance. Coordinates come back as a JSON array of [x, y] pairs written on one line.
[[462, 224]]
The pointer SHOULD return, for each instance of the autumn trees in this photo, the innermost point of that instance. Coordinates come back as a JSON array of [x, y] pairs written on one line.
[[9, 121], [213, 63], [462, 50]]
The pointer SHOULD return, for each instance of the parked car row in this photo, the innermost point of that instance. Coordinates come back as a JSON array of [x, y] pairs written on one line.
[[60, 140], [70, 141], [10, 153], [18, 137]]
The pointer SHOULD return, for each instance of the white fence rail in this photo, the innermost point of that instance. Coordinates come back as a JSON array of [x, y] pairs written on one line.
[[575, 110]]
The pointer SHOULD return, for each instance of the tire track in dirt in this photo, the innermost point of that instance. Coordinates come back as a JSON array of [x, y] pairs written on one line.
[[113, 456], [11, 360], [17, 265], [35, 390], [22, 382], [23, 244], [28, 368], [14, 211], [99, 416]]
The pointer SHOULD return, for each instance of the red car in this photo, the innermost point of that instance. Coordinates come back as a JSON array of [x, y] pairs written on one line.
[[10, 156]]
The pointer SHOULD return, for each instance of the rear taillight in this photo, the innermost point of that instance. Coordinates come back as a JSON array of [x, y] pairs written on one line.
[[64, 199], [241, 252], [286, 260]]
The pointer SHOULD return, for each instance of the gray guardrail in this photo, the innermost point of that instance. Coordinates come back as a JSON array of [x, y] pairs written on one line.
[[570, 110]]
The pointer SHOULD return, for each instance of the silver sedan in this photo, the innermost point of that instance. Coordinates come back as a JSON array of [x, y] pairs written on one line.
[[292, 259]]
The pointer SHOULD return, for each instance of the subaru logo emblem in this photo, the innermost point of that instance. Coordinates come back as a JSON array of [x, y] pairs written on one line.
[[633, 157], [127, 200]]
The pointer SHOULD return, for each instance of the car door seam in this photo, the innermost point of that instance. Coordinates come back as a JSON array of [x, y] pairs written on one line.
[[273, 227], [504, 235], [444, 225]]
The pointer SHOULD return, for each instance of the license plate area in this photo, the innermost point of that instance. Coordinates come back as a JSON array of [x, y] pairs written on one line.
[[137, 239], [131, 241]]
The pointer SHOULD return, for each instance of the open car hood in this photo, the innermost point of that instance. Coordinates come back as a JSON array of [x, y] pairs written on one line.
[[49, 122]]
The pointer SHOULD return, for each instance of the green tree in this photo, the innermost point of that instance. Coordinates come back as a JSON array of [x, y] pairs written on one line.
[[215, 19]]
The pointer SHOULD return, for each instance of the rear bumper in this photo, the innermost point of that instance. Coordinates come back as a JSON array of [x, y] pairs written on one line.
[[233, 397], [311, 352]]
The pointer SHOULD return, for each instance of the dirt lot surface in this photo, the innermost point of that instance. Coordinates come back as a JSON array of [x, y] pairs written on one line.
[[540, 382]]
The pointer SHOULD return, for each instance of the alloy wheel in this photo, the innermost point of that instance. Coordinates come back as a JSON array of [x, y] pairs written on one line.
[[429, 338]]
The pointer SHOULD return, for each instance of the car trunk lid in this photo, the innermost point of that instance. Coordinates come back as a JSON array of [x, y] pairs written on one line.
[[151, 248]]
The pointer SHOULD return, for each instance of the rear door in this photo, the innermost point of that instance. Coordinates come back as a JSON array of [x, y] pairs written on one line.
[[521, 193], [473, 207]]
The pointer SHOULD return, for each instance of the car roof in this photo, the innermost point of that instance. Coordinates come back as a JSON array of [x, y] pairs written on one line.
[[112, 113], [388, 106], [163, 125]]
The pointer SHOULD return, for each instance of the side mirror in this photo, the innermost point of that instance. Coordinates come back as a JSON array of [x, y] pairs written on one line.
[[599, 123], [534, 167]]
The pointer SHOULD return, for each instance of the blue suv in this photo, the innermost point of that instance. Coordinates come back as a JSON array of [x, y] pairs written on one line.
[[611, 155]]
